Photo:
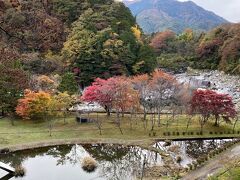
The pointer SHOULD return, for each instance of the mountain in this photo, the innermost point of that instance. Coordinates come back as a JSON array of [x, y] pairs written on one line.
[[159, 15]]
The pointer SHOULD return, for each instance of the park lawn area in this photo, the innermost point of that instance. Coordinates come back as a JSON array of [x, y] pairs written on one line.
[[232, 172], [30, 131]]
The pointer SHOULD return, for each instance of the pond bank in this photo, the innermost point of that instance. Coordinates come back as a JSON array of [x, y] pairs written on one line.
[[214, 165], [144, 143]]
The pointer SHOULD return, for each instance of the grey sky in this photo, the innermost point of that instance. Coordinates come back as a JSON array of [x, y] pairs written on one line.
[[228, 9]]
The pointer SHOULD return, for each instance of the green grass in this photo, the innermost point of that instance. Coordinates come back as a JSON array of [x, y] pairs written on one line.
[[232, 172], [26, 131]]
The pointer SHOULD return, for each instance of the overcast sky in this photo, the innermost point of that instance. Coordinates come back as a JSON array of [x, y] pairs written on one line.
[[228, 9]]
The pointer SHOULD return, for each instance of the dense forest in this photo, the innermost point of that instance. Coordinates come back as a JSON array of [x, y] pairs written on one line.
[[58, 46], [217, 49], [62, 45]]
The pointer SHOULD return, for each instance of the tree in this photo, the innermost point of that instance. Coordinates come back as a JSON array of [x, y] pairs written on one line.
[[104, 43], [13, 79], [210, 103], [141, 84], [43, 83], [125, 98], [162, 87], [137, 32], [101, 92], [61, 103], [28, 26], [68, 84], [34, 105], [160, 41], [146, 60]]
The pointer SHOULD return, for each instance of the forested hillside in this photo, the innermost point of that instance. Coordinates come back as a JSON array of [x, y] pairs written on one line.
[[61, 45], [217, 49]]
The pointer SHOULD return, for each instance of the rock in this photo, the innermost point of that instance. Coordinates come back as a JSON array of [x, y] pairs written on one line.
[[175, 149]]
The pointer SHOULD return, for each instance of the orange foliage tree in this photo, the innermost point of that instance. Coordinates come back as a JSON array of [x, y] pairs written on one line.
[[159, 41], [33, 104]]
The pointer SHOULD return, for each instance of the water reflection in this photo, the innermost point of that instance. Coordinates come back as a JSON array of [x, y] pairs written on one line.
[[64, 162], [190, 150], [115, 162]]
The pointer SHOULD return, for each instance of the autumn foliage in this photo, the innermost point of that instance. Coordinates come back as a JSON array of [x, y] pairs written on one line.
[[33, 104], [116, 92], [210, 103]]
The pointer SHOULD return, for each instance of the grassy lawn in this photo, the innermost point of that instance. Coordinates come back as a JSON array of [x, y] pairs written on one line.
[[25, 131], [232, 172]]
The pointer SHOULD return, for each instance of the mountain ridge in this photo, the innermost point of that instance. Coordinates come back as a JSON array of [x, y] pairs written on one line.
[[159, 15]]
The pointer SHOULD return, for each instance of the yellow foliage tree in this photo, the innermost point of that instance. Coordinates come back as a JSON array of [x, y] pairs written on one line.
[[137, 32]]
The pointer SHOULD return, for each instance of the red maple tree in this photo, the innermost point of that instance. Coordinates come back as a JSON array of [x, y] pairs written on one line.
[[101, 92], [211, 103]]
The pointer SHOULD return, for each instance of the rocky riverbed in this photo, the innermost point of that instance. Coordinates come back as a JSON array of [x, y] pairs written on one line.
[[216, 80]]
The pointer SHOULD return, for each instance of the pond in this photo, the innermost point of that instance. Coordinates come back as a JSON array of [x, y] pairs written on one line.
[[114, 161]]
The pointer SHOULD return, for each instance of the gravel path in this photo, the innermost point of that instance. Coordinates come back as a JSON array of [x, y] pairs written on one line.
[[214, 165]]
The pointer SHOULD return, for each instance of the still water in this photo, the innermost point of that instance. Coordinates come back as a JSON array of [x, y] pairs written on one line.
[[115, 162]]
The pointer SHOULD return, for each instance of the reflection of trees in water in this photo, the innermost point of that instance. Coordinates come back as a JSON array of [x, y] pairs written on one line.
[[192, 148], [106, 152], [61, 154], [114, 161], [17, 158], [202, 147], [119, 162]]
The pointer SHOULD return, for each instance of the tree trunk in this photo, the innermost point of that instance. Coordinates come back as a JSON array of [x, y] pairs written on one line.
[[216, 120], [159, 118], [107, 110], [145, 114], [64, 118], [144, 118], [118, 122], [152, 119], [235, 124]]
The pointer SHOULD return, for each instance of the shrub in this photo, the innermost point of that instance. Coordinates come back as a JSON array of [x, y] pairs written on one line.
[[19, 171], [199, 160], [89, 164], [178, 159], [190, 166], [194, 163]]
